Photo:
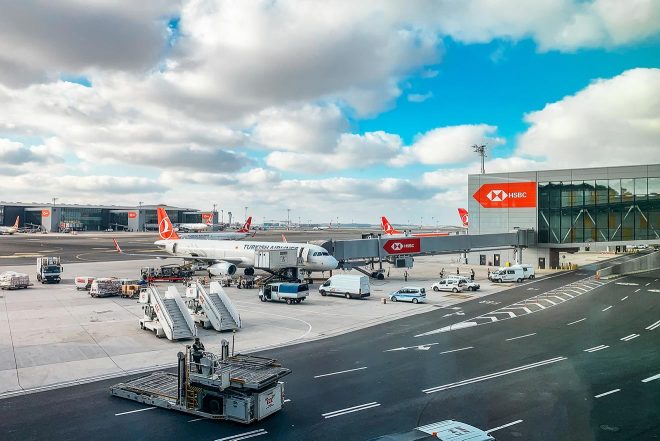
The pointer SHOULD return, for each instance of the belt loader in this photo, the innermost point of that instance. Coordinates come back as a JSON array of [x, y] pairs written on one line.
[[241, 388]]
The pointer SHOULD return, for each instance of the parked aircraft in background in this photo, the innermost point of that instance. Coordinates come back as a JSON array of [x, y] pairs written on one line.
[[10, 230], [195, 226], [225, 256], [391, 231], [241, 233], [463, 213], [321, 227]]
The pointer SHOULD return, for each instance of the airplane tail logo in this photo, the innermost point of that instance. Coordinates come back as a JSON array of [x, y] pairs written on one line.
[[246, 226], [16, 223], [463, 213], [165, 227], [387, 226]]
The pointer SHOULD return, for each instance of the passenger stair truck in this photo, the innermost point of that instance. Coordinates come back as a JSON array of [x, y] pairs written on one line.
[[212, 307], [241, 388], [49, 269], [166, 315]]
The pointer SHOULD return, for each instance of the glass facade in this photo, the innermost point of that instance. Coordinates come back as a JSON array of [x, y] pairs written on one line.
[[90, 219], [599, 210]]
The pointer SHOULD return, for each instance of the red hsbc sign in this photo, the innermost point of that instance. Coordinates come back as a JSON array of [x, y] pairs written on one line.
[[507, 195], [45, 213], [402, 246]]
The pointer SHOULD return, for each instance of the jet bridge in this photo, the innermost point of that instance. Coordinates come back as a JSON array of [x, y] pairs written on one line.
[[212, 307], [358, 252], [166, 315]]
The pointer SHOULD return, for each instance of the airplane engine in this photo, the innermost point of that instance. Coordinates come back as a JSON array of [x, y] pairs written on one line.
[[222, 269], [170, 247]]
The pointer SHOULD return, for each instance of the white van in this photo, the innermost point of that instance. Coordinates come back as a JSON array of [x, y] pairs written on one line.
[[349, 286], [508, 274], [528, 270]]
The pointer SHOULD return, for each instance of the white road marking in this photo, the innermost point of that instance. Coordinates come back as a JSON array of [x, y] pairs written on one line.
[[651, 327], [340, 372], [629, 337], [637, 290], [493, 375], [576, 321], [613, 391], [627, 283], [424, 347], [456, 350], [596, 348], [340, 412], [133, 411], [503, 426], [624, 298], [245, 435], [524, 308], [607, 308], [648, 284], [653, 290], [522, 336], [287, 400], [511, 314], [655, 377], [196, 419]]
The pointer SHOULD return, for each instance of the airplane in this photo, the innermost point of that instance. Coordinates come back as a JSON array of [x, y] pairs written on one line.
[[320, 227], [463, 213], [196, 226], [241, 233], [391, 231], [225, 256], [10, 230]]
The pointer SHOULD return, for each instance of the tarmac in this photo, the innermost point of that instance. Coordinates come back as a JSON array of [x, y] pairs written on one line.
[[54, 336]]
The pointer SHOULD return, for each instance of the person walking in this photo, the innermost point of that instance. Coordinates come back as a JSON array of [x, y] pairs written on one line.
[[405, 276], [472, 274], [458, 272], [442, 273], [198, 353]]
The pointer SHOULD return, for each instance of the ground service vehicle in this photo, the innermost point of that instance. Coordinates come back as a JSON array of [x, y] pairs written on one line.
[[409, 294], [468, 284], [13, 280], [453, 285], [289, 292], [508, 274], [83, 282], [241, 388], [49, 269], [166, 273], [105, 287], [528, 270], [348, 285]]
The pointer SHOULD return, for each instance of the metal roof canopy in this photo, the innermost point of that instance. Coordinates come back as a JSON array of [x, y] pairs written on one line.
[[344, 250]]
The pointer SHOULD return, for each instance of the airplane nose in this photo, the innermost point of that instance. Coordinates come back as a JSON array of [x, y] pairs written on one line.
[[333, 262]]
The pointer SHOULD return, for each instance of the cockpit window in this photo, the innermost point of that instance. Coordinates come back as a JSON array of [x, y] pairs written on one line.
[[324, 254]]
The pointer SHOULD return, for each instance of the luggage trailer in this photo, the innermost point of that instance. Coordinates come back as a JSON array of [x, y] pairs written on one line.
[[241, 388]]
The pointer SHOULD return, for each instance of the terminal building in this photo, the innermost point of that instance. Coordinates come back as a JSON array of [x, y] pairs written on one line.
[[597, 209], [75, 217]]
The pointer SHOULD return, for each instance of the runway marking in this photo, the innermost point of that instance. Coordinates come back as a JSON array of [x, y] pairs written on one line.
[[456, 350], [196, 419], [653, 290], [340, 372], [655, 377], [627, 283], [596, 348], [245, 435], [607, 308], [493, 375], [287, 400], [653, 326], [503, 426], [648, 284], [358, 408], [630, 337], [637, 290], [521, 336], [624, 298], [576, 321], [425, 347], [613, 391], [133, 411]]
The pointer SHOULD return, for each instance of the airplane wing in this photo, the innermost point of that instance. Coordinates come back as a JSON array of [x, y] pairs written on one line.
[[159, 256]]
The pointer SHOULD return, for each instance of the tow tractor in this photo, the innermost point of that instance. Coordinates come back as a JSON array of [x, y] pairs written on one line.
[[241, 388]]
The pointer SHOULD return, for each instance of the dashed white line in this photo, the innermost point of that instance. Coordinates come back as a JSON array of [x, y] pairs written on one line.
[[503, 426], [624, 298], [493, 375], [576, 321], [133, 411], [629, 337], [655, 377], [287, 400], [340, 372], [456, 350], [245, 435], [653, 326], [196, 419], [607, 308], [521, 336], [358, 408], [609, 392], [596, 348], [648, 284], [637, 290]]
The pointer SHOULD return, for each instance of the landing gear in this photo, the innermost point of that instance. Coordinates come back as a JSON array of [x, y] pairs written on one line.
[[248, 271]]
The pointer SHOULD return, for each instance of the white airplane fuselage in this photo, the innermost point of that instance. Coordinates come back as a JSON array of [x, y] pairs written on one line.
[[194, 227], [242, 253], [216, 235]]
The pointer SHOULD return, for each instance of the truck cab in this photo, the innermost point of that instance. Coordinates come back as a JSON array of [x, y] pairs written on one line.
[[49, 269]]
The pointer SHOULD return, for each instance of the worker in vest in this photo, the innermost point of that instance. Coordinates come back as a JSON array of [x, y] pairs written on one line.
[[198, 353]]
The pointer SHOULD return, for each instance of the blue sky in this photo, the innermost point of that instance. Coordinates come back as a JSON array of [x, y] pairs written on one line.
[[331, 109]]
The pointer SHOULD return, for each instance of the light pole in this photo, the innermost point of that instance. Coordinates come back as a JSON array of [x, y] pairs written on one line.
[[288, 218], [245, 218], [481, 151], [432, 220], [222, 216]]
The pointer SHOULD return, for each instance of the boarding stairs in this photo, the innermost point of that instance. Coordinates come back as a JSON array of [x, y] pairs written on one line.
[[217, 306], [173, 314]]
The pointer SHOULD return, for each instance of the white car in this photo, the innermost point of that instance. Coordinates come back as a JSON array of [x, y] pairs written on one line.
[[409, 294], [453, 285], [467, 283]]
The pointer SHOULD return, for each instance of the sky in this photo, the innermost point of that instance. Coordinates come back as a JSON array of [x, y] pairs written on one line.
[[340, 111]]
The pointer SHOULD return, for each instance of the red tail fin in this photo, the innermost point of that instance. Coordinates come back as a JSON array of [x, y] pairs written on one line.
[[463, 213], [387, 226], [165, 227], [246, 226], [16, 223], [284, 238]]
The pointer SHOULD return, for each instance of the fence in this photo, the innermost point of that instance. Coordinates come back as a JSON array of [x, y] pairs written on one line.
[[640, 264]]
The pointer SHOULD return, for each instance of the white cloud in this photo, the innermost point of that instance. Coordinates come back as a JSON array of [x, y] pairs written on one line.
[[447, 145], [419, 97], [611, 122]]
